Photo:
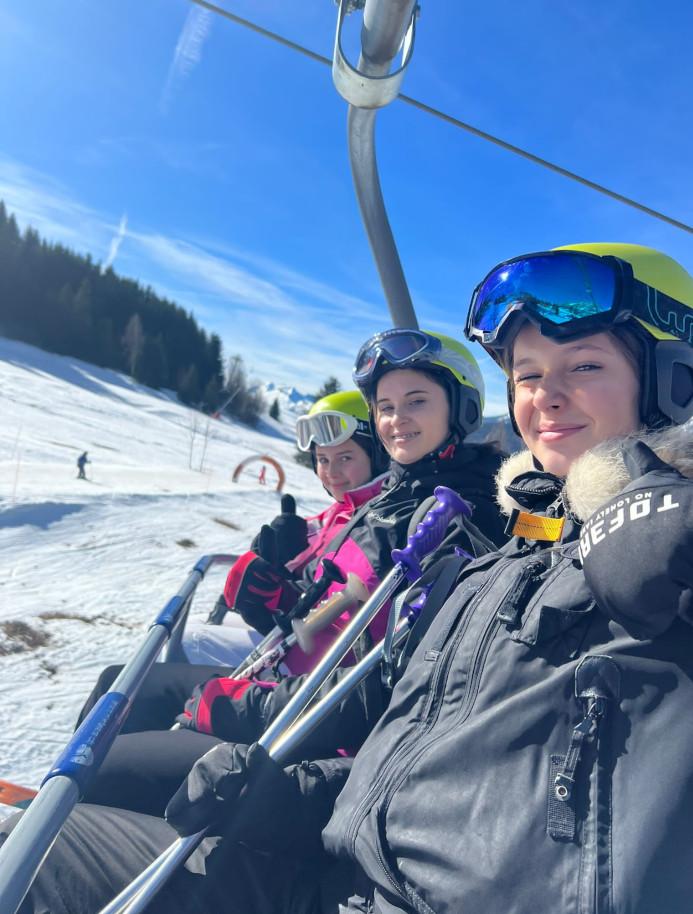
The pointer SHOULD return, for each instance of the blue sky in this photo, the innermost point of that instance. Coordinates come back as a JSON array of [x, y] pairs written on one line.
[[210, 163]]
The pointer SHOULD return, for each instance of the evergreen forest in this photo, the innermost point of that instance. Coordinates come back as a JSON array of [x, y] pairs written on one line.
[[63, 302]]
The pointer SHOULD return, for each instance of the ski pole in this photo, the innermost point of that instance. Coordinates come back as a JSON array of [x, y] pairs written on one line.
[[354, 594], [426, 538], [320, 617], [331, 575], [27, 845], [136, 896], [316, 713]]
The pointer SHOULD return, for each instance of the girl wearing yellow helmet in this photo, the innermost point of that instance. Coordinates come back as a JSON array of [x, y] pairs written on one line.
[[537, 755]]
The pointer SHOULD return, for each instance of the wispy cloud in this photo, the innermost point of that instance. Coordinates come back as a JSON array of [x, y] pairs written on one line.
[[289, 326], [211, 273], [38, 200], [307, 287], [116, 242], [188, 52]]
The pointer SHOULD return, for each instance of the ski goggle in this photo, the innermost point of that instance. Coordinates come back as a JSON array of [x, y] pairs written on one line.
[[570, 293], [326, 429], [397, 347]]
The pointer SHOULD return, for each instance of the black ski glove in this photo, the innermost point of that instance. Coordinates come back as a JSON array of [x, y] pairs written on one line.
[[241, 792], [290, 535], [215, 781], [637, 550]]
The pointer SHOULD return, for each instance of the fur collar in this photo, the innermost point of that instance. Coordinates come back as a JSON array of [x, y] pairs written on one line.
[[601, 473]]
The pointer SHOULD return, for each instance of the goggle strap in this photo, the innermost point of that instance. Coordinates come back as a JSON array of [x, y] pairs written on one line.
[[662, 311]]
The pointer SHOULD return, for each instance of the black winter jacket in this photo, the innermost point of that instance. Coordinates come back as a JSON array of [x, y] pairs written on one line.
[[364, 545], [535, 758], [382, 524]]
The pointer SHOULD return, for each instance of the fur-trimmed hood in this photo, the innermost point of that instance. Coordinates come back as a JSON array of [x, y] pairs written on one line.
[[601, 473]]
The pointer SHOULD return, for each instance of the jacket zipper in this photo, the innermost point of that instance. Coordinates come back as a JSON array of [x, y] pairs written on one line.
[[597, 683], [511, 608], [476, 666]]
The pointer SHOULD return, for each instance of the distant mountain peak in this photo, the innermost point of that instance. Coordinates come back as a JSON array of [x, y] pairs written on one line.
[[292, 403]]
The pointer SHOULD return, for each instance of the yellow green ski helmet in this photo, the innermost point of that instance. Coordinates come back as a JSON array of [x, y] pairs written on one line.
[[337, 418], [436, 353]]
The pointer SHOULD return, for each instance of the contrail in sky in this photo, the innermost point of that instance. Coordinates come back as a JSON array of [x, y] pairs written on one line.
[[188, 51], [116, 242]]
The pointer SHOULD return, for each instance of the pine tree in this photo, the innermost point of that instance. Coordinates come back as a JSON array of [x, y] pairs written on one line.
[[211, 395], [151, 366], [133, 342], [274, 409], [189, 386], [64, 302], [331, 386]]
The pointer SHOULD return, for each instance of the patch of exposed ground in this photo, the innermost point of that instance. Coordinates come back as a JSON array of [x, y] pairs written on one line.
[[59, 614], [18, 636], [226, 523]]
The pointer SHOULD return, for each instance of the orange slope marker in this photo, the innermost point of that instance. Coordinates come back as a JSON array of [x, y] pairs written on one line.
[[14, 795]]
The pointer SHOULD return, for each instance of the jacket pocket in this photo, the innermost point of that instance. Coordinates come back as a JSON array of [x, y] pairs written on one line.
[[558, 606], [579, 789]]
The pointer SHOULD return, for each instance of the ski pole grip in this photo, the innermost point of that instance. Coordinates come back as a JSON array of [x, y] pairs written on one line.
[[317, 590], [430, 532]]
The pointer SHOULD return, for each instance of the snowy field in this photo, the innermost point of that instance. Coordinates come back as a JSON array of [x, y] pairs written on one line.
[[85, 566]]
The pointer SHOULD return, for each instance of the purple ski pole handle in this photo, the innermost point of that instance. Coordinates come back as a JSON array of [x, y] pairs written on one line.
[[414, 608], [430, 532]]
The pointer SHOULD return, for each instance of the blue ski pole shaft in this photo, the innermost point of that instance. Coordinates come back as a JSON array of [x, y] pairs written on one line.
[[26, 846], [427, 537]]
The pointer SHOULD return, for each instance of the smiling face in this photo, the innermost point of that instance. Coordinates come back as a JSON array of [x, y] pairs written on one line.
[[412, 414], [342, 467], [570, 396]]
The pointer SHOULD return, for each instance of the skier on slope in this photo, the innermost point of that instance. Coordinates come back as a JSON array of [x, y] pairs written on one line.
[[82, 461]]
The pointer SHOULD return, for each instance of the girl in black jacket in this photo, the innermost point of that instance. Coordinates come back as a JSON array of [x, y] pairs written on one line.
[[537, 754]]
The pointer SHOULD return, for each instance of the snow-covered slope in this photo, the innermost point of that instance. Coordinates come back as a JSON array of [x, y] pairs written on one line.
[[85, 566]]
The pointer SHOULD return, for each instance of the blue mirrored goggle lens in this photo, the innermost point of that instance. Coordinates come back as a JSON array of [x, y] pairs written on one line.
[[557, 289]]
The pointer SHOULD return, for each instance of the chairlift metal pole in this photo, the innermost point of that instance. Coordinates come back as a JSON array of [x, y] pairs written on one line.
[[388, 26]]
